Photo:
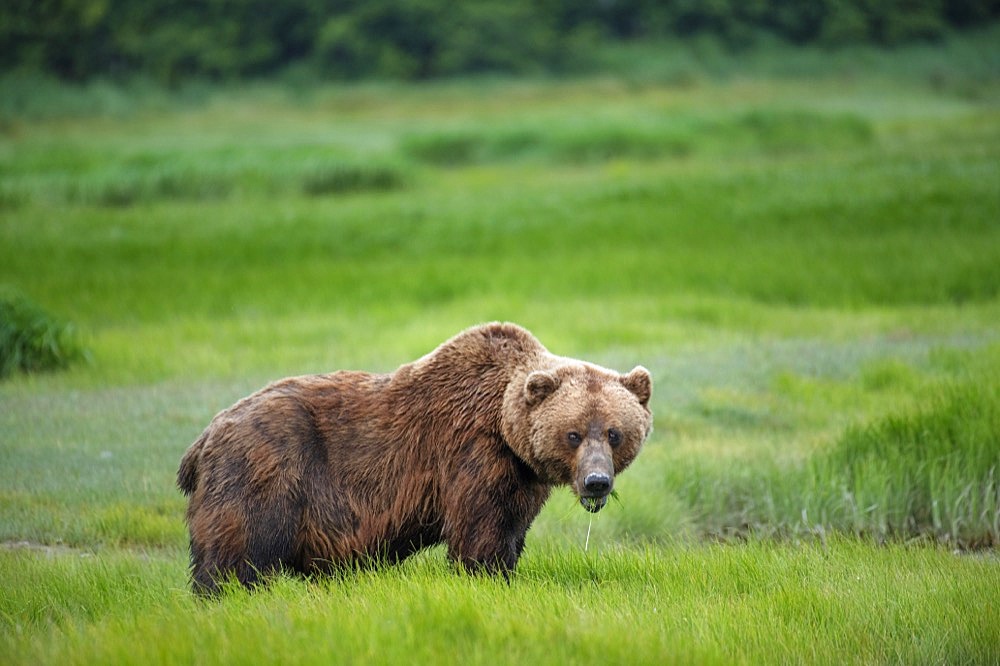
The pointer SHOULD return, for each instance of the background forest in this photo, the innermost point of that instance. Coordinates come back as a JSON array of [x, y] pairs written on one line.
[[167, 40]]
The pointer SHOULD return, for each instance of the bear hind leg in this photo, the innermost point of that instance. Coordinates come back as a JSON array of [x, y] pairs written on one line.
[[246, 545]]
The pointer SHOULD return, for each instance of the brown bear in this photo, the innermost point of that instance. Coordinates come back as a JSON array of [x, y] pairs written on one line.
[[461, 446]]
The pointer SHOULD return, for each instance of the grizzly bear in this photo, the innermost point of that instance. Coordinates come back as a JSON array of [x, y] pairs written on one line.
[[461, 446]]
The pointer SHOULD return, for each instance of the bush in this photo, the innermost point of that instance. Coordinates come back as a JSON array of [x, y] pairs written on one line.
[[32, 340]]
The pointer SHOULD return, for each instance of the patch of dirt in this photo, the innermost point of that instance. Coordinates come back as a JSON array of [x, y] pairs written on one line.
[[46, 549]]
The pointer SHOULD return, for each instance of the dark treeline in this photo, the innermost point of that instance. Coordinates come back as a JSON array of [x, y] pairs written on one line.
[[169, 40]]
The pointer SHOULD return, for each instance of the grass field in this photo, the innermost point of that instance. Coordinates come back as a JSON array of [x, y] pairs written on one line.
[[808, 262]]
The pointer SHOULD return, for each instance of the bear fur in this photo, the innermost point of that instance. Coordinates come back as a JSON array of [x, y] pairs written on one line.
[[461, 446]]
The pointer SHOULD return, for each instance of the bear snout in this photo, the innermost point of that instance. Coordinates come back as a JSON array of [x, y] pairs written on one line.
[[595, 478]]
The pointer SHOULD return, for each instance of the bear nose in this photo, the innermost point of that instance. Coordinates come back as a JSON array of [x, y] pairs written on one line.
[[597, 483]]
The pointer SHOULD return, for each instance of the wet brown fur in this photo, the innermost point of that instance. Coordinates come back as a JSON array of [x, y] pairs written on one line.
[[461, 446]]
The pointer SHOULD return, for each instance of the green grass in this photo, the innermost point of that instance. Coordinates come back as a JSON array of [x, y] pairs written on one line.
[[808, 266], [843, 603]]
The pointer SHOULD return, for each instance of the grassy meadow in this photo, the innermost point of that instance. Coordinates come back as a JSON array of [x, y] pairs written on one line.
[[806, 258]]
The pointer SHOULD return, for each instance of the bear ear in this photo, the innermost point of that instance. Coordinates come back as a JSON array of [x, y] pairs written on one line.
[[640, 383], [538, 386]]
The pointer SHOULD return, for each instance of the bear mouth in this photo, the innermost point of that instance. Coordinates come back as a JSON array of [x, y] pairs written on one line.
[[594, 504]]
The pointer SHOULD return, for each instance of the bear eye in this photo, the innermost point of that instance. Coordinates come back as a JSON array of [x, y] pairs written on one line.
[[614, 437], [574, 439]]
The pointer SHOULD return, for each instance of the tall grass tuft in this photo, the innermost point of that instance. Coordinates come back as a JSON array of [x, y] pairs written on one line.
[[121, 188], [777, 131], [31, 339], [931, 474], [619, 142], [762, 131], [935, 472], [455, 148], [447, 148], [343, 177]]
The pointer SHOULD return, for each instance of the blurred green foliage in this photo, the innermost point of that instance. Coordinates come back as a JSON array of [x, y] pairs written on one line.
[[169, 41], [31, 339]]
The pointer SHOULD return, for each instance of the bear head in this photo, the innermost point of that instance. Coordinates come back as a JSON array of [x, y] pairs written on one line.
[[579, 424]]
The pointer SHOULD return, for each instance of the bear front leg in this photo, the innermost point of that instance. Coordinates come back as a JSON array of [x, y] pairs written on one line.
[[483, 546], [487, 529], [491, 500]]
